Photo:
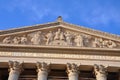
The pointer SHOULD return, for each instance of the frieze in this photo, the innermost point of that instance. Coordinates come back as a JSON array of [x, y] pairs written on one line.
[[60, 37], [61, 55], [117, 37]]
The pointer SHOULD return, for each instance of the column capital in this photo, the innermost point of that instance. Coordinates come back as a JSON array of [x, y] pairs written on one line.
[[42, 66], [72, 68], [42, 69], [15, 66], [100, 72]]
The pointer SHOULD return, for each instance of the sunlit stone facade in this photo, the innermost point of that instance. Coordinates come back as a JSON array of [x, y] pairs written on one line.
[[59, 51]]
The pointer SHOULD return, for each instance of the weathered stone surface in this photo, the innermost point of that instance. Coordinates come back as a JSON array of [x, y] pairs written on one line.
[[60, 37]]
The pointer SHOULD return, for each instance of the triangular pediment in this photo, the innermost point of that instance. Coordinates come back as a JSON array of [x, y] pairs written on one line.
[[59, 34]]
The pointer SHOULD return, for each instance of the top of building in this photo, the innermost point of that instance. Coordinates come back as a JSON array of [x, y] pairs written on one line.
[[59, 33], [59, 19]]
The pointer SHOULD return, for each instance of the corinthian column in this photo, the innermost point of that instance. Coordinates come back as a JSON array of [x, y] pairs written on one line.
[[15, 69], [73, 72], [42, 69], [100, 72]]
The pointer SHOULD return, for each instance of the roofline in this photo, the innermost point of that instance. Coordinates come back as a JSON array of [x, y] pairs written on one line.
[[27, 27], [95, 32], [99, 33]]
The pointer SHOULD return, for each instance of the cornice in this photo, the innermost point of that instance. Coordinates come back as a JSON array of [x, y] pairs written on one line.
[[91, 31], [65, 24], [56, 49], [28, 28], [68, 25]]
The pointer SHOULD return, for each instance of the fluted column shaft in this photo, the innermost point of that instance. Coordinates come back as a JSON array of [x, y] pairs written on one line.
[[13, 75], [73, 72], [42, 75], [42, 69], [100, 72], [15, 70]]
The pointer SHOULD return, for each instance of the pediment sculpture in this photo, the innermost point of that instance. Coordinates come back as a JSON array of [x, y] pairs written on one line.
[[60, 37]]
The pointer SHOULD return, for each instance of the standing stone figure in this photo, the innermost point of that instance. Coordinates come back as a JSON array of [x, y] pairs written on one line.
[[68, 38], [104, 44], [24, 39], [100, 72], [37, 38], [7, 40], [62, 36], [16, 40], [98, 42], [57, 35], [49, 36], [79, 40]]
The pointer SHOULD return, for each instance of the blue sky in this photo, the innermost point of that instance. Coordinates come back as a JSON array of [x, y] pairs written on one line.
[[103, 15]]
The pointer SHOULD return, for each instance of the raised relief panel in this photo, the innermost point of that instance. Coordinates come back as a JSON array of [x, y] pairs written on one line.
[[59, 37], [103, 43]]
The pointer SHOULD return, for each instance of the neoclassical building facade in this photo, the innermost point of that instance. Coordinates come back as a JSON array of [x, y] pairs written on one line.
[[59, 51]]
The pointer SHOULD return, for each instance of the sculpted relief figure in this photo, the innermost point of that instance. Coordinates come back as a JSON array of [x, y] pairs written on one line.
[[59, 35], [87, 40], [16, 40], [111, 44], [24, 39], [58, 38], [50, 37], [68, 38], [37, 38], [7, 40], [61, 38], [98, 42], [100, 72], [79, 40], [104, 43]]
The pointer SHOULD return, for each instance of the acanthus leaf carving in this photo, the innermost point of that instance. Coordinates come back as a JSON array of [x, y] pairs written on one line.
[[100, 72], [72, 68], [15, 66]]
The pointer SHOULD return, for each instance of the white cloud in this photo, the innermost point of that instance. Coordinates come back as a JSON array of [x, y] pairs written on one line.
[[34, 9], [91, 13], [100, 15]]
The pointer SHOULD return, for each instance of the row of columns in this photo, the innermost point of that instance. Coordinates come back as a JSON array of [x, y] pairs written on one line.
[[16, 68]]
